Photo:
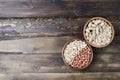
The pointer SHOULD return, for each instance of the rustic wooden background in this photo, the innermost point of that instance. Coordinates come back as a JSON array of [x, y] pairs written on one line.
[[33, 32]]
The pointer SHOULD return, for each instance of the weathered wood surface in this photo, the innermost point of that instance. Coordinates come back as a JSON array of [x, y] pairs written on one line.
[[34, 45], [32, 35], [47, 45], [53, 63], [61, 76], [46, 27], [58, 8], [47, 37], [21, 38]]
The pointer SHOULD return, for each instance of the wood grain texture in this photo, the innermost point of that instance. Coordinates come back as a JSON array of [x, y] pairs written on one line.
[[34, 45], [48, 45], [40, 27], [46, 27], [61, 20], [58, 8], [61, 76], [53, 63], [31, 35]]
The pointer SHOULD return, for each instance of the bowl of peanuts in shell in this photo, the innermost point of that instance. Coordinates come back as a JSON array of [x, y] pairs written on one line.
[[77, 54], [98, 32]]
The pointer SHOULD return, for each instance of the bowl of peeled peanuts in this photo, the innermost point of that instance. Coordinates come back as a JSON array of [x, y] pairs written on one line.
[[98, 32]]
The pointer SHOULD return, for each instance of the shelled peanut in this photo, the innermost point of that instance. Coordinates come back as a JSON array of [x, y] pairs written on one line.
[[77, 54], [98, 32]]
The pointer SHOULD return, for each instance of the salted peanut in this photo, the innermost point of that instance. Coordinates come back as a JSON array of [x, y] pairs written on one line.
[[98, 32]]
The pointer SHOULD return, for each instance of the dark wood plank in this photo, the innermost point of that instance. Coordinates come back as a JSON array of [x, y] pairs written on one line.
[[60, 76], [58, 8], [34, 45], [53, 63], [46, 27], [30, 27], [29, 35], [48, 45]]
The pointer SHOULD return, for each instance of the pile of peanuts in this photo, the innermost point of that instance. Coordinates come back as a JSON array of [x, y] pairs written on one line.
[[77, 54], [98, 32]]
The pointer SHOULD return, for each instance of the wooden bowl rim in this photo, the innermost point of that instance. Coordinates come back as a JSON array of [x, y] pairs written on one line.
[[108, 22], [64, 57]]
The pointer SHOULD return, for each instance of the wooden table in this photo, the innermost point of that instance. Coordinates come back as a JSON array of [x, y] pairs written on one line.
[[33, 32]]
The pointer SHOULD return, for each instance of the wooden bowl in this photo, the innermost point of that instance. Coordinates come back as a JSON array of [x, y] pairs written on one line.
[[108, 22], [70, 65]]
